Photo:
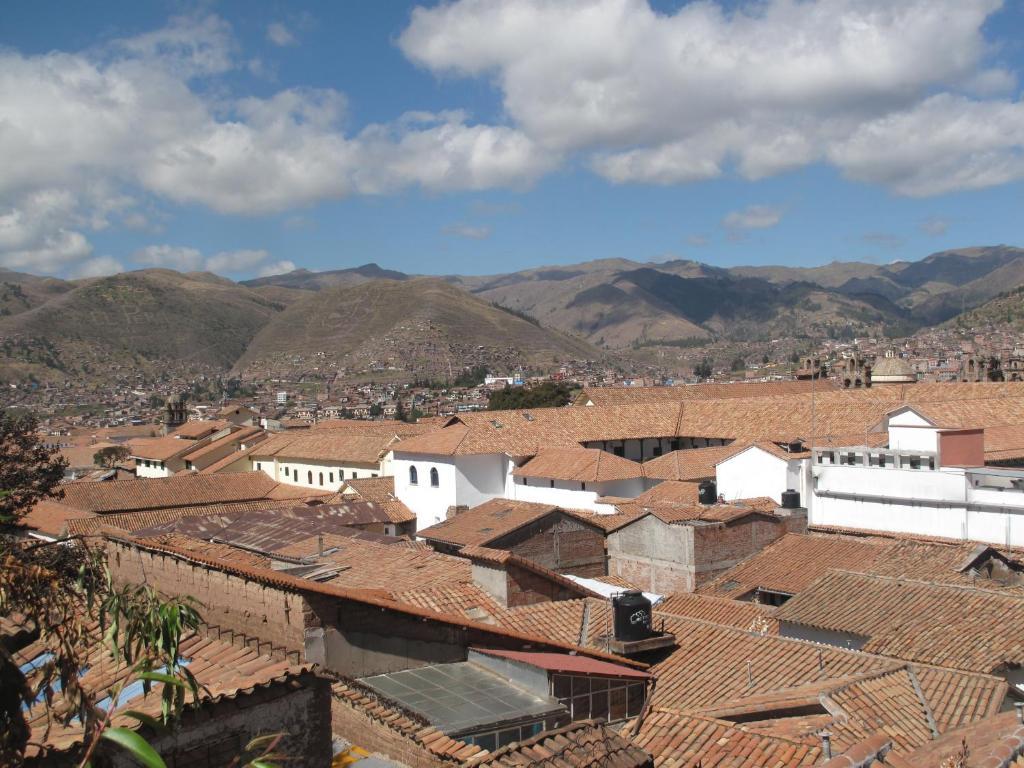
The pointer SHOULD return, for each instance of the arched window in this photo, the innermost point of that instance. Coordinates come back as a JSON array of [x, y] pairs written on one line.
[[413, 476], [321, 478], [309, 477], [434, 479]]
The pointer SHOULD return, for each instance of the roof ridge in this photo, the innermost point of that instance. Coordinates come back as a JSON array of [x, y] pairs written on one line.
[[727, 724], [924, 583]]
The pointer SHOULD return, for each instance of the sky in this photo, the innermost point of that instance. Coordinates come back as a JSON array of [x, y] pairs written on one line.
[[488, 136]]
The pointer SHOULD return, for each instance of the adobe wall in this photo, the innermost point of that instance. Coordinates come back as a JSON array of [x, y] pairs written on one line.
[[272, 615], [653, 555], [719, 547], [560, 543], [527, 588], [363, 731]]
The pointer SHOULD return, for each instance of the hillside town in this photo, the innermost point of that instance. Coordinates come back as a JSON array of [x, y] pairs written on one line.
[[512, 384], [787, 572]]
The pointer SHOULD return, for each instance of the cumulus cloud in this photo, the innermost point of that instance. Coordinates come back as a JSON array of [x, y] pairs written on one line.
[[753, 217], [169, 256], [141, 124], [935, 225], [101, 266], [280, 35], [468, 231], [277, 268], [762, 88], [186, 259], [236, 261]]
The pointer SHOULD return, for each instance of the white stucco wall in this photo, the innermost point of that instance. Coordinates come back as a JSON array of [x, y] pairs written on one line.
[[298, 472], [921, 502], [155, 468], [568, 494], [429, 504], [752, 473]]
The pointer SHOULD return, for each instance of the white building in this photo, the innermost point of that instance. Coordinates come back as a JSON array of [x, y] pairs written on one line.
[[763, 469], [577, 478], [323, 459], [923, 480]]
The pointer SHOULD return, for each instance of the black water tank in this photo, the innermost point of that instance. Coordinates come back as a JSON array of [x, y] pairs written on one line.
[[707, 492], [790, 499], [632, 616]]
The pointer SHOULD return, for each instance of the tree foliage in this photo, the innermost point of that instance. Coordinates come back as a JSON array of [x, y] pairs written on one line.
[[29, 472], [110, 456], [550, 394]]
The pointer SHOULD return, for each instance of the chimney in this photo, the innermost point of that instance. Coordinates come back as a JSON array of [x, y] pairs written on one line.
[[457, 509], [826, 745]]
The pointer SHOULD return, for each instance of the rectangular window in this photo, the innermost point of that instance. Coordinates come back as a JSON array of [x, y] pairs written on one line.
[[330, 475], [287, 472]]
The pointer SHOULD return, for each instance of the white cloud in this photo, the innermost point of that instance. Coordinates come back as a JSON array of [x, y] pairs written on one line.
[[753, 217], [100, 126], [697, 241], [685, 96], [101, 266], [170, 256], [935, 225], [468, 231], [943, 144], [186, 259], [236, 261], [279, 34], [277, 268]]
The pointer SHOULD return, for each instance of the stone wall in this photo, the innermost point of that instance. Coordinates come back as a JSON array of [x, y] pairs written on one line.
[[227, 601]]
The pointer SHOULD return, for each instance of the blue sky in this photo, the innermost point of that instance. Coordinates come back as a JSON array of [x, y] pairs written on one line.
[[482, 137]]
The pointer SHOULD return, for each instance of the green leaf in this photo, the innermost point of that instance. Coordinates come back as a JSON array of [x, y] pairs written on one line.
[[142, 717], [138, 746], [262, 764], [160, 677]]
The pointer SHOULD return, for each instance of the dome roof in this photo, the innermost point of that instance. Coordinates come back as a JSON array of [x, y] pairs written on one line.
[[893, 367]]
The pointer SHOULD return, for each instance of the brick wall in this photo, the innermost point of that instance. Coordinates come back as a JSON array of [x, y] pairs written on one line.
[[526, 588], [363, 731], [559, 542], [272, 615], [718, 548]]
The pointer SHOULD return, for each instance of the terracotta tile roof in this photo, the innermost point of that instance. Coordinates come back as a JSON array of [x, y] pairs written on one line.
[[210, 549], [406, 724], [995, 741], [669, 492], [223, 670], [606, 523], [680, 740], [691, 464], [579, 464], [193, 430], [564, 662], [52, 518], [582, 744], [626, 395], [1004, 442], [946, 625], [792, 563], [372, 597], [388, 427], [987, 412], [326, 445], [563, 620], [733, 613], [227, 461], [160, 448], [486, 522], [380, 491], [176, 491], [136, 521], [212, 451]]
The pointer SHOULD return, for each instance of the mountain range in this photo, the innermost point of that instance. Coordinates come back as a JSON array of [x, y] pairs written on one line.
[[371, 318]]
